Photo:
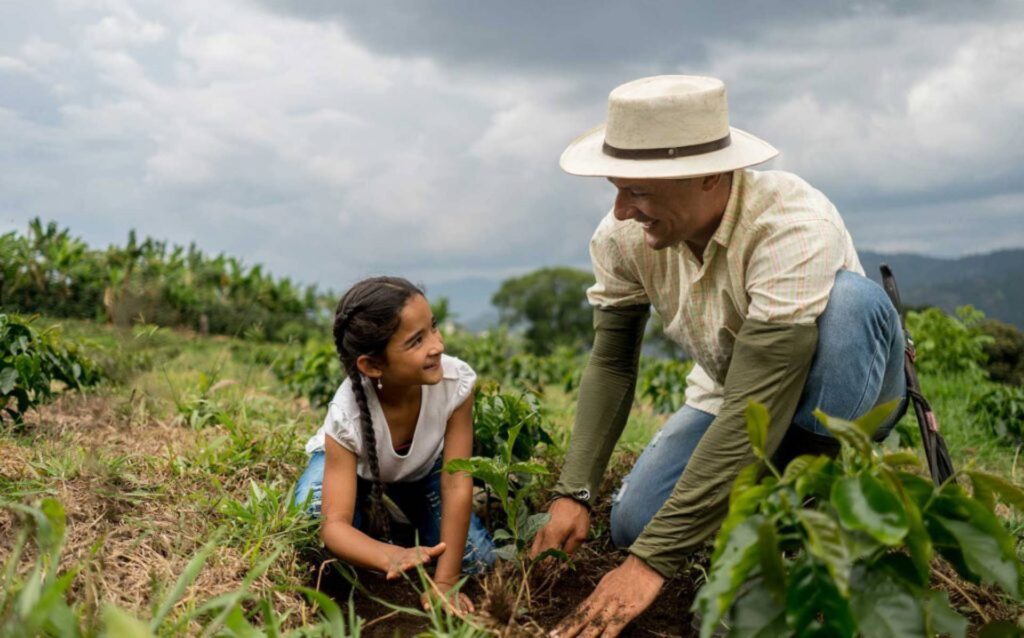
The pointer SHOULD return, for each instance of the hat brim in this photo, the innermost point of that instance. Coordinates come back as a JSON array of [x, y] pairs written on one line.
[[584, 156]]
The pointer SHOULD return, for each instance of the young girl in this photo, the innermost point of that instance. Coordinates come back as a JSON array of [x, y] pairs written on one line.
[[403, 411]]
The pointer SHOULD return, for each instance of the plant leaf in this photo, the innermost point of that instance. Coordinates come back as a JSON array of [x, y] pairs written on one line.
[[864, 504], [884, 606], [757, 426], [940, 617], [992, 484], [757, 613], [847, 432], [825, 542], [870, 422], [118, 623], [812, 594], [729, 569]]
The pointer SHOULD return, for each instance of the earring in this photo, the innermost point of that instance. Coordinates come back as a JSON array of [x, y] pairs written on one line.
[[380, 384]]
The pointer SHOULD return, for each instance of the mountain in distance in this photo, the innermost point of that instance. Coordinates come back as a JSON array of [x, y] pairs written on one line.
[[992, 282]]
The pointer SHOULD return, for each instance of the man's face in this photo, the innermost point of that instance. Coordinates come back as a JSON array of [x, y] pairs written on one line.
[[669, 210]]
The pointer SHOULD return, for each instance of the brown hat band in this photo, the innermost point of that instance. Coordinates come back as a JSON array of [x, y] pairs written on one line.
[[666, 153]]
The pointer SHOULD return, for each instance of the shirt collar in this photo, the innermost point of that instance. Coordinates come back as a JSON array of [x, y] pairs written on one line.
[[732, 210]]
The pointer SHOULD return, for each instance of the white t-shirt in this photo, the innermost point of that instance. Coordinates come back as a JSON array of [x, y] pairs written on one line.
[[437, 403]]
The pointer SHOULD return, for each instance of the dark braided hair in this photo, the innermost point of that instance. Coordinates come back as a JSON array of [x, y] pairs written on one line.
[[364, 322]]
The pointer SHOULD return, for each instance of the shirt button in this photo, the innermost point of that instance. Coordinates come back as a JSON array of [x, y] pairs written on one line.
[[583, 495]]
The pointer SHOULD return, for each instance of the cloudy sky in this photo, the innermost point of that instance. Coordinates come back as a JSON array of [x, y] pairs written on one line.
[[333, 139]]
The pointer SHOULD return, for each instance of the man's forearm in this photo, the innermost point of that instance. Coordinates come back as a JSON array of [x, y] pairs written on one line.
[[605, 398], [769, 365]]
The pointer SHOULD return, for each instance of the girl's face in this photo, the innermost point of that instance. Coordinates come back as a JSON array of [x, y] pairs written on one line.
[[414, 351]]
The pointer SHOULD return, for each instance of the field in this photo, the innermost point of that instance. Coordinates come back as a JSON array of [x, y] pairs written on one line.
[[175, 476]]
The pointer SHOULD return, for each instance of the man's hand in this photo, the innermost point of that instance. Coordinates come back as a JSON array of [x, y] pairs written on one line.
[[566, 530], [622, 595]]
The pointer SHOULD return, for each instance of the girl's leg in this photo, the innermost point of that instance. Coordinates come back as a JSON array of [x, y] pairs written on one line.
[[421, 502], [310, 485], [649, 484]]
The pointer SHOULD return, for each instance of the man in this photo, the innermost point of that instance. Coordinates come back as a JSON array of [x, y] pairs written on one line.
[[755, 275]]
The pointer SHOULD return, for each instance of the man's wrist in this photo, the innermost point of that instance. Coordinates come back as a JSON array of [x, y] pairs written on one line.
[[635, 562], [582, 495]]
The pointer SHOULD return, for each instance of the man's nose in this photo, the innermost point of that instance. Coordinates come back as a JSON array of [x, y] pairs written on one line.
[[623, 208]]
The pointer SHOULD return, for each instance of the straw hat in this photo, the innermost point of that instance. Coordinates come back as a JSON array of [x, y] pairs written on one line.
[[662, 127]]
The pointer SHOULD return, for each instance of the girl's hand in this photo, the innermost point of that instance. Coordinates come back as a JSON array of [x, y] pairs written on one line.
[[456, 602], [406, 558]]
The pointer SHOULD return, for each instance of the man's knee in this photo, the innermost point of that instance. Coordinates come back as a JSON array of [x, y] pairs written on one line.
[[625, 518], [857, 299]]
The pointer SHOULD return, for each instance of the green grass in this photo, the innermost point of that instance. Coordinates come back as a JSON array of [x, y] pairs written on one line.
[[196, 438]]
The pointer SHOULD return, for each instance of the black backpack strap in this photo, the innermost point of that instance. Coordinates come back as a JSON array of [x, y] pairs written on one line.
[[940, 464]]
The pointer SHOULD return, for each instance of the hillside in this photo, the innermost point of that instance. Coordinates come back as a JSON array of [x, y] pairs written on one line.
[[991, 282]]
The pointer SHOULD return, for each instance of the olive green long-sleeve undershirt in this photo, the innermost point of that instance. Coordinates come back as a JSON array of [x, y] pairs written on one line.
[[769, 364]]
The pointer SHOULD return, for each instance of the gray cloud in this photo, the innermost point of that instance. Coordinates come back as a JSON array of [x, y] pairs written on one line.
[[335, 140]]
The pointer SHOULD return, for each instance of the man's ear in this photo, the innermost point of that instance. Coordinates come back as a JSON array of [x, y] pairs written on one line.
[[710, 182], [369, 366]]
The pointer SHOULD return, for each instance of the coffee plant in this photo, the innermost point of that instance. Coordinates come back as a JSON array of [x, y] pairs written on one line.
[[949, 345], [313, 372], [495, 414], [662, 382], [843, 547], [1001, 409], [32, 360]]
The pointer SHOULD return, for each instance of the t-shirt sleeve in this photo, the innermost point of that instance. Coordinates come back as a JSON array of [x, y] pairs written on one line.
[[617, 282], [791, 272], [343, 427], [465, 380]]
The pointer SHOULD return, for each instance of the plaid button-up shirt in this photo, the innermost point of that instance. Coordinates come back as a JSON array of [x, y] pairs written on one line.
[[773, 258]]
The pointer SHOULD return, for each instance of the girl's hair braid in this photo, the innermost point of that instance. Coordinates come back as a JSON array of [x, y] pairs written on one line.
[[364, 322]]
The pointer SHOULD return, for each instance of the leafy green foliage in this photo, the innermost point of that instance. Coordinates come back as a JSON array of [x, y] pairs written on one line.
[[499, 357], [512, 481], [32, 360], [843, 547], [949, 345], [662, 382], [495, 414], [551, 304], [1001, 409], [1005, 353], [49, 271], [313, 372], [34, 602]]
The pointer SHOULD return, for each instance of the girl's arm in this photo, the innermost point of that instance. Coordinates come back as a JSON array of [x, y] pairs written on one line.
[[338, 504], [456, 494]]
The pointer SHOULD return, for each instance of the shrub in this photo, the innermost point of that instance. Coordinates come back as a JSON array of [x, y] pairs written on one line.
[[843, 547], [495, 414], [1001, 409], [948, 345], [31, 360], [662, 382], [313, 372], [1005, 353]]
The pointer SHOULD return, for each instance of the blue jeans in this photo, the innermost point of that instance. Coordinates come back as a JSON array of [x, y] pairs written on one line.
[[858, 364], [420, 501]]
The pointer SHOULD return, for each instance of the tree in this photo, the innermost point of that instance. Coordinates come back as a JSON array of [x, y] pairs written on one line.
[[551, 303]]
